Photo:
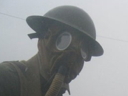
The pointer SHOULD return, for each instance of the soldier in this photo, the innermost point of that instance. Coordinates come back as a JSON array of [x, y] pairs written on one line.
[[66, 39]]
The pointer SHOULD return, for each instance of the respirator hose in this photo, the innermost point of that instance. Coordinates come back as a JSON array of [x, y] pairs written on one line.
[[57, 82]]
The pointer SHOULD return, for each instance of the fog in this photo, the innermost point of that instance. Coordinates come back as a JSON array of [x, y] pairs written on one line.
[[106, 75]]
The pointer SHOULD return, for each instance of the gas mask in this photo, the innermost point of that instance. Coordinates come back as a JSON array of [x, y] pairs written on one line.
[[66, 49], [63, 48], [73, 53]]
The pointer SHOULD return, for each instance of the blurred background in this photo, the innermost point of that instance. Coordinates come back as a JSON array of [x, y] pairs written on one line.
[[106, 75]]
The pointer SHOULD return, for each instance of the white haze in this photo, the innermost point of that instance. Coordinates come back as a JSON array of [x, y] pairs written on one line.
[[102, 76]]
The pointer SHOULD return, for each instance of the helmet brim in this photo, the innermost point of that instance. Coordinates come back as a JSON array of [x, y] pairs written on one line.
[[39, 23]]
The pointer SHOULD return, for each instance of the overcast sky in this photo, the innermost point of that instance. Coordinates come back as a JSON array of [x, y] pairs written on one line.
[[102, 76]]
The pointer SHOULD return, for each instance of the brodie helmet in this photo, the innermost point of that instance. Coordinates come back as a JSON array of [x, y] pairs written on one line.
[[71, 16]]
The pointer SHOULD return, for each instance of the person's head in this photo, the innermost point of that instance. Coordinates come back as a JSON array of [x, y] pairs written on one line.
[[66, 37]]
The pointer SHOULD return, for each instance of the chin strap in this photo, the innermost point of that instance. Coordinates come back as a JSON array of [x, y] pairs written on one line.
[[33, 35]]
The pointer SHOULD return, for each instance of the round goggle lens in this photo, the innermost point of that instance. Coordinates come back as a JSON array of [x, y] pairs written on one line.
[[63, 41]]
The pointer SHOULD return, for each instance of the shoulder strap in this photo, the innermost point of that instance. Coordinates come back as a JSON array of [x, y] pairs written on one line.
[[29, 84], [20, 68]]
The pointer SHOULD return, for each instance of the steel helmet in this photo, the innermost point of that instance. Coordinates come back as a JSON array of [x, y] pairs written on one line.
[[68, 15]]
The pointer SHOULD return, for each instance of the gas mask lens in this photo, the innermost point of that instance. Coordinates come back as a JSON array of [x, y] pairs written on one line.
[[83, 53], [63, 41]]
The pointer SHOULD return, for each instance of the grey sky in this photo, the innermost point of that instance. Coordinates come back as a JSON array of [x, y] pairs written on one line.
[[102, 76]]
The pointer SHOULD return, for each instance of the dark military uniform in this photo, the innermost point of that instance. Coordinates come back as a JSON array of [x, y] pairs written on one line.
[[22, 78], [9, 80]]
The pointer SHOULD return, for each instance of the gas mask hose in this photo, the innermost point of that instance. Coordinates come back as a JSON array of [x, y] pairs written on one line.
[[57, 82]]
